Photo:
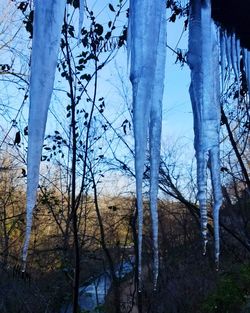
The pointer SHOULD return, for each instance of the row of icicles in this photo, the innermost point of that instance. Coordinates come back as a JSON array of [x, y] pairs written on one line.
[[231, 55], [147, 52]]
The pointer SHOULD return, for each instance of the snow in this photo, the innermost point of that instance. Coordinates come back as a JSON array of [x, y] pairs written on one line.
[[48, 18], [204, 92], [147, 46]]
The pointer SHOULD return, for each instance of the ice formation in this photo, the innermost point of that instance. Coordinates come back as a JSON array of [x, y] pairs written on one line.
[[147, 44], [81, 18], [246, 57], [235, 57], [48, 18], [147, 48], [222, 58], [203, 60]]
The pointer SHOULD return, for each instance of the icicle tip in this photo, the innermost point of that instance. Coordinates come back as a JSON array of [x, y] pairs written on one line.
[[204, 247]]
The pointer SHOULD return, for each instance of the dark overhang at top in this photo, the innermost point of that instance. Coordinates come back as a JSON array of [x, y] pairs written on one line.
[[233, 16]]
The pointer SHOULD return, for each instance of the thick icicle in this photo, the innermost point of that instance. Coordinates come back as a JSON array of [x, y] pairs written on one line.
[[147, 45], [204, 92], [196, 90], [48, 18]]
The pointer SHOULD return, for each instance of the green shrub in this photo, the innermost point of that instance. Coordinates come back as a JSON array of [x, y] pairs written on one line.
[[232, 293]]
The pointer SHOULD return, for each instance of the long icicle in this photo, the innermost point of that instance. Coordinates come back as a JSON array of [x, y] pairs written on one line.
[[234, 57], [140, 112], [145, 22], [196, 95], [222, 58], [238, 53], [155, 136], [204, 92], [48, 18], [214, 152], [228, 53], [246, 56]]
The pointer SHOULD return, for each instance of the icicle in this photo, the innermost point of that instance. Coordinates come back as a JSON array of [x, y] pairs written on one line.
[[203, 60], [129, 38], [246, 56], [228, 53], [248, 73], [140, 111], [155, 138], [238, 52], [195, 59], [48, 18], [216, 184], [234, 58], [214, 152], [81, 18], [147, 44], [222, 59]]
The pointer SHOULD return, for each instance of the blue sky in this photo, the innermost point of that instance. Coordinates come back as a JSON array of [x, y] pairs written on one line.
[[177, 111]]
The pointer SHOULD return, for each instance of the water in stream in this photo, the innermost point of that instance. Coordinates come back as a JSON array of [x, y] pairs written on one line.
[[93, 294]]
